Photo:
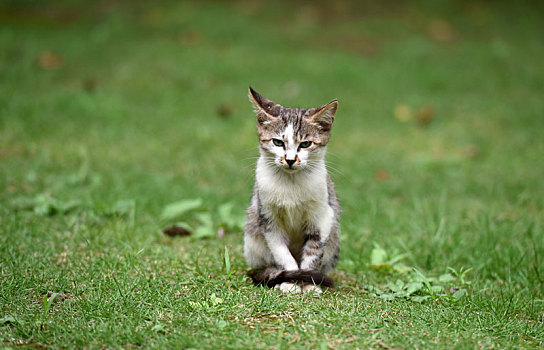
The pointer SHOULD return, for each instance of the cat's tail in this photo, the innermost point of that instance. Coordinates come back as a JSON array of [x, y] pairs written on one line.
[[271, 276]]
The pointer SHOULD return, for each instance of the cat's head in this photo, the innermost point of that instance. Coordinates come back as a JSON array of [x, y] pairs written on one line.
[[292, 138]]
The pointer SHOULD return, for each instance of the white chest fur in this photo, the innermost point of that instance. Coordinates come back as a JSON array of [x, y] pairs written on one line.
[[292, 201]]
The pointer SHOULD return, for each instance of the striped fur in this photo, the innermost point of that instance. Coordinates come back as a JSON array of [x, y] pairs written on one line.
[[271, 276], [291, 232]]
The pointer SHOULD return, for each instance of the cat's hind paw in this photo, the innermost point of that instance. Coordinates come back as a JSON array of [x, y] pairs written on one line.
[[288, 287], [312, 288]]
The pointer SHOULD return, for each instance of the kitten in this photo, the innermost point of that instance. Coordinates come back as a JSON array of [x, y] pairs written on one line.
[[291, 234]]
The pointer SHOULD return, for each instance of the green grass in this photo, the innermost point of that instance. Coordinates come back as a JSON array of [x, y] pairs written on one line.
[[93, 151]]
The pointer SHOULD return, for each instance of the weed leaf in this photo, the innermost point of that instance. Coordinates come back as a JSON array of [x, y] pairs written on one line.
[[175, 210], [122, 208], [221, 324], [206, 225], [48, 302], [158, 328], [229, 220], [10, 320], [445, 278], [45, 205], [227, 261], [378, 255], [459, 294], [215, 300], [420, 298], [413, 287]]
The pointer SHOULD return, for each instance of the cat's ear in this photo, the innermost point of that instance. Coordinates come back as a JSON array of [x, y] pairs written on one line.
[[323, 116], [265, 109]]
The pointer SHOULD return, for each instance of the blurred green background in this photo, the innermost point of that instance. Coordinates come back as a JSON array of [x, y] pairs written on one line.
[[110, 110]]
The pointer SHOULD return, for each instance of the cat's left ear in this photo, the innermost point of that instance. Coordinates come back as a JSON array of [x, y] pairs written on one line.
[[323, 116]]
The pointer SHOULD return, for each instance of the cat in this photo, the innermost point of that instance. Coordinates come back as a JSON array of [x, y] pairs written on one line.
[[291, 235]]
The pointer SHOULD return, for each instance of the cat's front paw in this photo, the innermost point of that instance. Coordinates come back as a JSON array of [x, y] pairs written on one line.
[[288, 287], [312, 288]]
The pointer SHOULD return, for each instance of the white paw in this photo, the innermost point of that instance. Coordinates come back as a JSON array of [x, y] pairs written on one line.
[[312, 288], [288, 287]]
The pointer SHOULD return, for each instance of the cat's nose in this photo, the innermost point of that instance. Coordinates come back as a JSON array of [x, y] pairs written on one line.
[[290, 162]]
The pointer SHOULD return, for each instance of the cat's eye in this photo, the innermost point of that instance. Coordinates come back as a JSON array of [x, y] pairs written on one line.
[[277, 142], [305, 144]]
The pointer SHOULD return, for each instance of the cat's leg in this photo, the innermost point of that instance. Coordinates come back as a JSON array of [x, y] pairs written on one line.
[[277, 243], [312, 255], [312, 251], [315, 240], [264, 242], [256, 251], [320, 250]]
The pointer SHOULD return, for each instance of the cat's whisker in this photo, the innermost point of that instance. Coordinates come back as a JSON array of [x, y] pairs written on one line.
[[251, 158], [333, 154]]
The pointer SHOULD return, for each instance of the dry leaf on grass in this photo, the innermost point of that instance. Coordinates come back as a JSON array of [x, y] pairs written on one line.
[[425, 115], [176, 231], [382, 175], [470, 152], [403, 113], [442, 31], [224, 110], [89, 84], [50, 60], [189, 37]]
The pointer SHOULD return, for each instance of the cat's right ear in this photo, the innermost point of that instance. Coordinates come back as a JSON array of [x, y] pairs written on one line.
[[265, 109]]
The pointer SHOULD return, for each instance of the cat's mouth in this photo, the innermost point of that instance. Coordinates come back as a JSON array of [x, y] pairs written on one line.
[[290, 168], [290, 165]]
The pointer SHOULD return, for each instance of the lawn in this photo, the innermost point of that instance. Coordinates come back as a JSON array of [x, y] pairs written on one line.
[[119, 119]]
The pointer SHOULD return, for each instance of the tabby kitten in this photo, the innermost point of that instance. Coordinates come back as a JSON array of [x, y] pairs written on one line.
[[291, 233]]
